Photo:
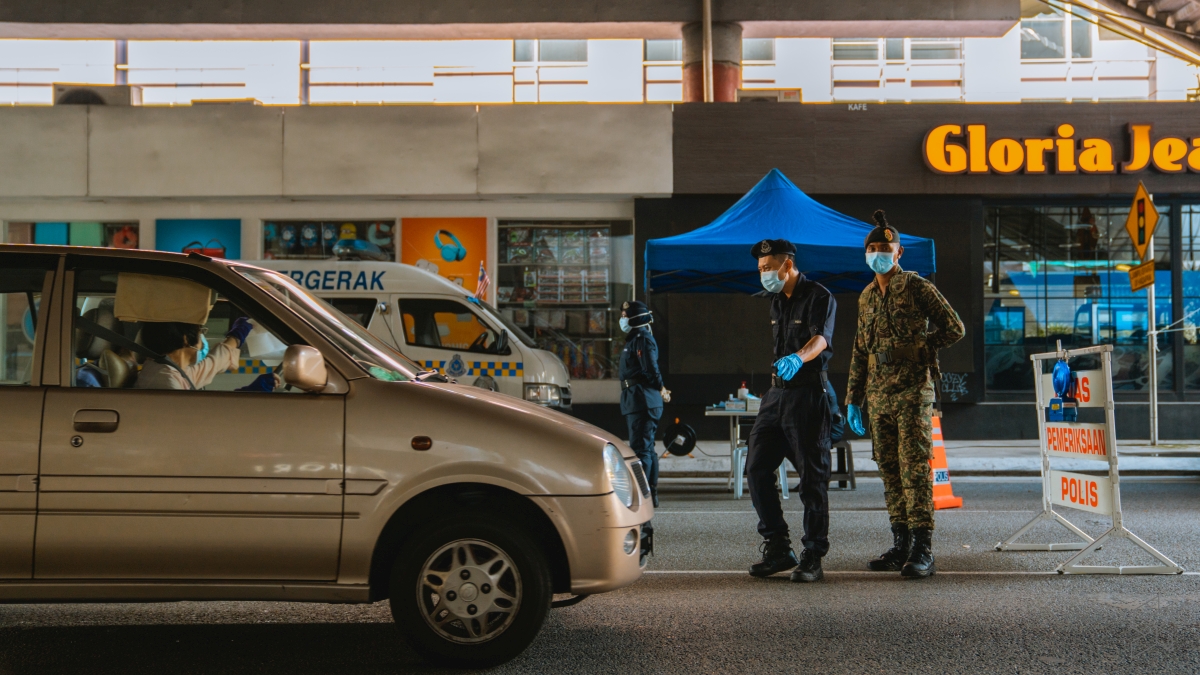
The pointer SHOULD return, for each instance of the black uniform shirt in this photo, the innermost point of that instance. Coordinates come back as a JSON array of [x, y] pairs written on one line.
[[639, 366], [800, 318]]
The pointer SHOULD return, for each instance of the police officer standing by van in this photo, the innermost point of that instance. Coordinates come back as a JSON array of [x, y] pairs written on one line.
[[642, 390], [902, 323], [794, 417]]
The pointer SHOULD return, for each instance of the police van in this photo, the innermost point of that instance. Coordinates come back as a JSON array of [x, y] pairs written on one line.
[[436, 323]]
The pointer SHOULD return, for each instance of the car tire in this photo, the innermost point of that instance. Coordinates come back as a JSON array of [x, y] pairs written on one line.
[[470, 589]]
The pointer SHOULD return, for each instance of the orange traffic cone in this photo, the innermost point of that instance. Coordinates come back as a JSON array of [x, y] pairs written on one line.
[[943, 495]]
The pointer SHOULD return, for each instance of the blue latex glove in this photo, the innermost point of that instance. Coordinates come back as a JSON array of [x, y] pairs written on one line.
[[854, 415], [788, 366], [264, 382], [239, 330]]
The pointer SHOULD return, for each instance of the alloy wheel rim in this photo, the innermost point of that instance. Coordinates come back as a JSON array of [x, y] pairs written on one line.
[[469, 591]]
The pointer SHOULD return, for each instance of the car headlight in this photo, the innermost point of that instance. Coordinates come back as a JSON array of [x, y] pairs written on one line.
[[618, 475], [544, 394]]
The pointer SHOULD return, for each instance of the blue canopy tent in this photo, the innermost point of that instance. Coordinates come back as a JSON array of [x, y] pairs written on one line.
[[829, 245]]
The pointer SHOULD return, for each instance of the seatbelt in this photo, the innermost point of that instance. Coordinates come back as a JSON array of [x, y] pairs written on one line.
[[118, 339]]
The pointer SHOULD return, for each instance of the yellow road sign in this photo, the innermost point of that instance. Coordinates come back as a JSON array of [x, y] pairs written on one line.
[[1141, 276], [1142, 220]]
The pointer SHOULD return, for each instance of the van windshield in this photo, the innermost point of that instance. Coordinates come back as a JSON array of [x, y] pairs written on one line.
[[513, 329], [381, 361]]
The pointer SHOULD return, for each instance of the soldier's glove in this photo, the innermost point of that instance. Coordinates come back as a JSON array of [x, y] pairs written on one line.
[[666, 394], [854, 417], [788, 366]]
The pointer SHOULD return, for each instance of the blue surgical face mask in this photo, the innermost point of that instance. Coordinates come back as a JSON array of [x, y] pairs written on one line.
[[880, 263], [771, 281], [203, 351], [624, 325]]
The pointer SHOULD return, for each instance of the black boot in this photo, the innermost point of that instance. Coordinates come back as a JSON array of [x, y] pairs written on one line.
[[777, 556], [895, 557], [920, 562], [654, 496], [809, 569]]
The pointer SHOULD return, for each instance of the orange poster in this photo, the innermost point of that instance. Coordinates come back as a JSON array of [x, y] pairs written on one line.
[[450, 247]]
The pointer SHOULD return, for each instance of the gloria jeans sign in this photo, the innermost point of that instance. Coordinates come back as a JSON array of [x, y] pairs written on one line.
[[957, 149]]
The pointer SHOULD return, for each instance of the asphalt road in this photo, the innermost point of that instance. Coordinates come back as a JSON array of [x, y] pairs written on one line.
[[696, 611]]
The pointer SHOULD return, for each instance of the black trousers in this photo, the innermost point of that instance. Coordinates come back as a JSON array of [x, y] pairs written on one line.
[[792, 424], [643, 424]]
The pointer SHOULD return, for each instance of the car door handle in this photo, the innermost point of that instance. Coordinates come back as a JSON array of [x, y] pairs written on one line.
[[96, 421]]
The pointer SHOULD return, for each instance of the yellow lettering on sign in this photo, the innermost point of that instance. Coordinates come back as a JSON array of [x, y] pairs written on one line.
[[1006, 155], [943, 157], [1194, 155], [977, 148], [1097, 156], [1168, 152], [1065, 149], [1139, 148], [1035, 154]]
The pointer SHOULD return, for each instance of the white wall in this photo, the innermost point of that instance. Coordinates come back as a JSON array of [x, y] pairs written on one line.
[[805, 63], [221, 152], [1171, 79], [992, 69], [614, 71]]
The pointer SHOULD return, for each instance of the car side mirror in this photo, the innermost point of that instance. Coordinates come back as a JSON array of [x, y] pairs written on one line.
[[304, 368], [502, 342]]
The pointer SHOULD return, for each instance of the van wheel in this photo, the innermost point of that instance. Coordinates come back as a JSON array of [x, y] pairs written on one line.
[[470, 589]]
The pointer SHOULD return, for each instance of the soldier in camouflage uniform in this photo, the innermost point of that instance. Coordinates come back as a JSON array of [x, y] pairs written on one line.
[[902, 323]]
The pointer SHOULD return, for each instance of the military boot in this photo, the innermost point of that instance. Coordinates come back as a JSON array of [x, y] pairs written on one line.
[[654, 496], [777, 556], [920, 561], [894, 558], [809, 569]]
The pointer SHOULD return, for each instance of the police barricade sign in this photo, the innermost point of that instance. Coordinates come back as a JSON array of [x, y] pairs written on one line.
[[1082, 441]]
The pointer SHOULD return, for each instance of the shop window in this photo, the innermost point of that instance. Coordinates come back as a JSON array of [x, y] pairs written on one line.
[[564, 282], [20, 300], [1189, 221], [1054, 34], [319, 240], [215, 238], [1059, 273], [78, 233], [664, 50], [758, 49], [448, 324], [855, 49]]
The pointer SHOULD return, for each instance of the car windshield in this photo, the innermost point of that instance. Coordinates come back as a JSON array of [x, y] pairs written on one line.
[[381, 361], [512, 328]]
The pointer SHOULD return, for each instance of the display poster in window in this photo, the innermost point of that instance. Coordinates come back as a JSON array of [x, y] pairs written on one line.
[[450, 247], [78, 233], [211, 237], [373, 240]]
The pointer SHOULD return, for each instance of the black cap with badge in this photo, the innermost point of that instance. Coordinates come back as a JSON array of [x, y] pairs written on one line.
[[772, 247], [882, 232]]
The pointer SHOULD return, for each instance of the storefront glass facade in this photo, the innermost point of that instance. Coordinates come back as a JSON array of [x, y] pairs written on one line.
[[1060, 273], [314, 240], [89, 233], [563, 283], [1189, 224]]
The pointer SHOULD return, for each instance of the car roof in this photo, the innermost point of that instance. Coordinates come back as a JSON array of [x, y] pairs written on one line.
[[99, 251]]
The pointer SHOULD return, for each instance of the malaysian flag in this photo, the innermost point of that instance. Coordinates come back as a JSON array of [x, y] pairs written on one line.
[[482, 283]]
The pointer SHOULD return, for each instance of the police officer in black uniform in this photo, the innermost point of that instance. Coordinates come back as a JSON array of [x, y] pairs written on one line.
[[794, 417], [642, 390]]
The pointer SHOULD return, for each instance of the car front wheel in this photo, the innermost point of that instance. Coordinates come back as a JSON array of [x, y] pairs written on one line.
[[470, 589]]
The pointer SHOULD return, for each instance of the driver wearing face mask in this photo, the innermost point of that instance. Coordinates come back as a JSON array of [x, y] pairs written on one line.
[[186, 345], [794, 419]]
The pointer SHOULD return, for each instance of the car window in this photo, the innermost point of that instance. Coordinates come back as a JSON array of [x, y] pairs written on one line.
[[447, 324], [20, 300], [359, 309], [125, 321]]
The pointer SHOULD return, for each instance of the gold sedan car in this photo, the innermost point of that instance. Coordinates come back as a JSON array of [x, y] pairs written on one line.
[[184, 428]]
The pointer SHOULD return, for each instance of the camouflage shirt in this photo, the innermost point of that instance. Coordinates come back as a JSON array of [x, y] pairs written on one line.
[[912, 314]]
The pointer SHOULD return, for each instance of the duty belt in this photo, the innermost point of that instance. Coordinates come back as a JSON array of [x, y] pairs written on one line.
[[625, 384], [897, 354], [804, 378]]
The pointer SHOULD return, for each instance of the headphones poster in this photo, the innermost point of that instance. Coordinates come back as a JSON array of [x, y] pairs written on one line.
[[450, 247]]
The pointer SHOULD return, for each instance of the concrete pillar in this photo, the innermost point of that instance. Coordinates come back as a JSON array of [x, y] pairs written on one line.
[[727, 61]]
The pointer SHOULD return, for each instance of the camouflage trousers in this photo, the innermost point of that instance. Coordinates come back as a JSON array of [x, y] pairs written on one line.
[[902, 436]]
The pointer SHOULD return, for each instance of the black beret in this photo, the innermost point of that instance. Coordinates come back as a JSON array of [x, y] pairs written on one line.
[[882, 232], [772, 247]]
